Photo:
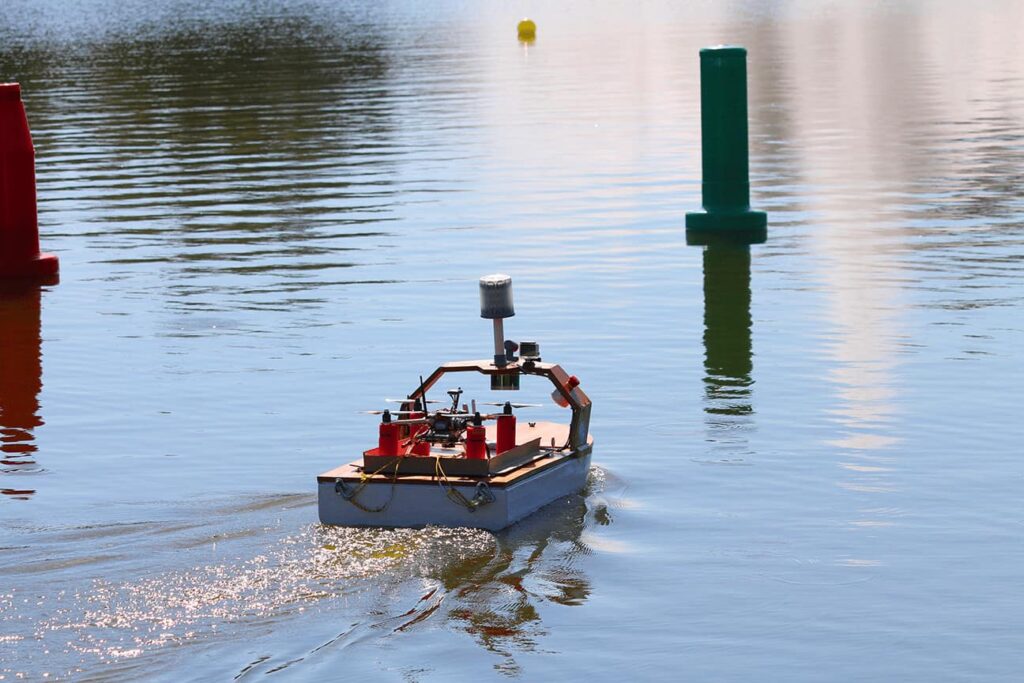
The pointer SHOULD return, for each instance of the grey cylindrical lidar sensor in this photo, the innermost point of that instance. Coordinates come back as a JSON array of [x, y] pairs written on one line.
[[496, 297], [496, 304]]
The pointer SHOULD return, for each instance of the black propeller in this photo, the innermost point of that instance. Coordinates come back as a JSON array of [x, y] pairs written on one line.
[[390, 412], [409, 400]]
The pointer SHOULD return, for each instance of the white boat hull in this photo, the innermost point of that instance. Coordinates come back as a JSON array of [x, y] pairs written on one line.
[[419, 504]]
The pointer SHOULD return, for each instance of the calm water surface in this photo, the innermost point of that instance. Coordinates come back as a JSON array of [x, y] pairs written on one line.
[[272, 215]]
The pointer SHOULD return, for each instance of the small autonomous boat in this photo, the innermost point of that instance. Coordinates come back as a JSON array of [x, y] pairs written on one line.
[[459, 466]]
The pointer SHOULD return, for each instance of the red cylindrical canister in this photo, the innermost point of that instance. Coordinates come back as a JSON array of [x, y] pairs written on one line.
[[476, 442], [506, 432], [388, 442], [418, 447], [19, 230]]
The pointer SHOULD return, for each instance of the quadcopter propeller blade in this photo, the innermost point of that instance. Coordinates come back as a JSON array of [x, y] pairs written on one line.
[[392, 412], [514, 405], [409, 400]]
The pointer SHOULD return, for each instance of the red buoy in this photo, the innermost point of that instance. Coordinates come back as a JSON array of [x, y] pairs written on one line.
[[476, 442], [19, 229]]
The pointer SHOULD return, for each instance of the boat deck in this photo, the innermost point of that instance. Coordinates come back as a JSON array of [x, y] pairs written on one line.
[[526, 432]]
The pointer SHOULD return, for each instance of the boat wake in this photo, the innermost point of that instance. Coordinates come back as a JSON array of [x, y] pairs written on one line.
[[379, 583]]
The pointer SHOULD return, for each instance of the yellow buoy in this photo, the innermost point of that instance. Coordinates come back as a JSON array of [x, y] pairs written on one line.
[[527, 29]]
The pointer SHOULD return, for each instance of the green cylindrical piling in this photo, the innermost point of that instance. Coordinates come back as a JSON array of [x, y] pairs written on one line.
[[723, 122]]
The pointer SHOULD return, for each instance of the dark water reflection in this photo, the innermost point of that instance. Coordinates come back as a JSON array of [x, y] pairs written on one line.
[[21, 373], [497, 599], [728, 350], [254, 146]]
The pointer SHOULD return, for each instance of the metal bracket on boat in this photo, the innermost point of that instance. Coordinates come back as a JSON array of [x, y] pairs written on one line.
[[344, 490], [483, 496]]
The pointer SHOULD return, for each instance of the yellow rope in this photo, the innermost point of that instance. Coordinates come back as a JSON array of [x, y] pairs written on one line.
[[453, 493], [363, 478]]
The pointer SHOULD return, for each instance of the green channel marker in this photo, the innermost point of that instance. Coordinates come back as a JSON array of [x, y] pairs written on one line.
[[724, 155]]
